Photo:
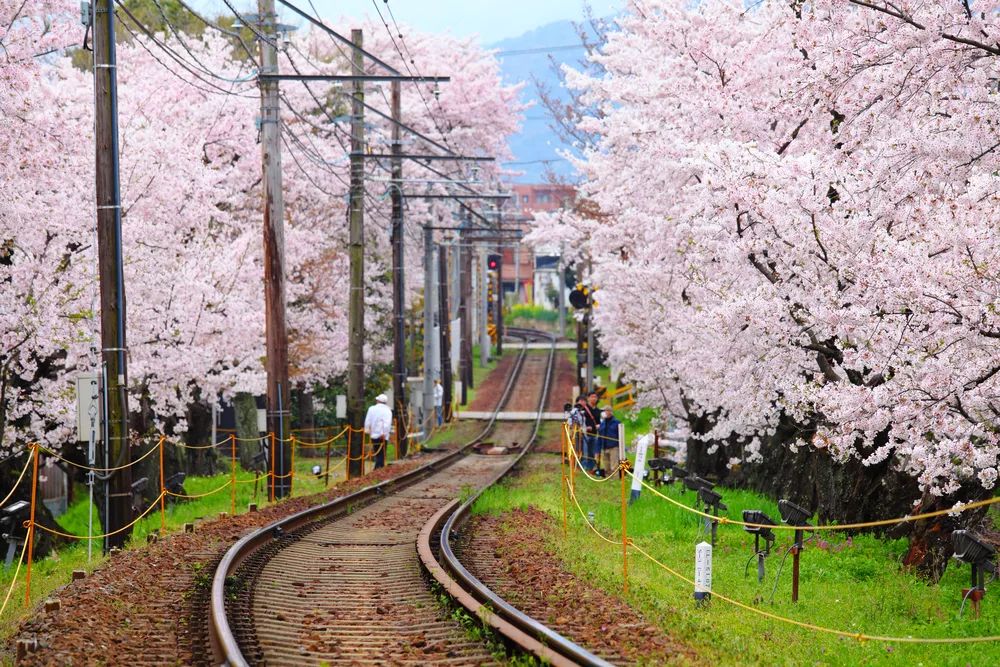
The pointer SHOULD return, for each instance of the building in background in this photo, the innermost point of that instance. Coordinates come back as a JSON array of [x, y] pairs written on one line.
[[533, 275]]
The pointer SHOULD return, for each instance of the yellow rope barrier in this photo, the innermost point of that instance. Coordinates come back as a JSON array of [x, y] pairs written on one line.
[[13, 580], [201, 495], [826, 527], [860, 636], [52, 531], [27, 464], [49, 452]]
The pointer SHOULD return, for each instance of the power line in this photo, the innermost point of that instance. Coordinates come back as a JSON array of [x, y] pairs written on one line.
[[539, 49]]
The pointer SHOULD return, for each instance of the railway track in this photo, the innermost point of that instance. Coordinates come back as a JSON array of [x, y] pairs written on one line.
[[341, 583]]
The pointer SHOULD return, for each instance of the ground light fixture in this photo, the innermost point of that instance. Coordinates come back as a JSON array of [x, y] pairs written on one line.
[[658, 467], [972, 550], [713, 502], [317, 470], [175, 484], [138, 486], [12, 530], [696, 483], [760, 533], [794, 515]]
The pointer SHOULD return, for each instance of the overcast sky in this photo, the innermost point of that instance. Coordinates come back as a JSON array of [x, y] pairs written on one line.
[[492, 20]]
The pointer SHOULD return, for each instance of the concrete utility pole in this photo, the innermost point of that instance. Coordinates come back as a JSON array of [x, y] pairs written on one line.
[[118, 492], [276, 333], [429, 341], [498, 317], [444, 315], [484, 311], [465, 315], [398, 286], [562, 293], [590, 326], [356, 305]]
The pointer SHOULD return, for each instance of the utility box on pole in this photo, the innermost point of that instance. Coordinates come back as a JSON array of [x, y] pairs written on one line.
[[89, 416]]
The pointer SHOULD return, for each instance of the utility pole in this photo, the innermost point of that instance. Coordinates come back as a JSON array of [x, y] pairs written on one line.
[[463, 313], [498, 317], [429, 341], [590, 326], [356, 305], [562, 293], [118, 492], [484, 334], [398, 286], [444, 315], [276, 333]]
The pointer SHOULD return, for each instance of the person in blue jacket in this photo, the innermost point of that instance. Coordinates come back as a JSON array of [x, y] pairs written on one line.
[[607, 438]]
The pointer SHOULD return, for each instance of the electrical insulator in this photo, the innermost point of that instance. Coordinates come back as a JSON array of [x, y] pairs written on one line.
[[702, 571]]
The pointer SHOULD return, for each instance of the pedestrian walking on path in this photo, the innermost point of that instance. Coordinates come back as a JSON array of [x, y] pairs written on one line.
[[378, 425]]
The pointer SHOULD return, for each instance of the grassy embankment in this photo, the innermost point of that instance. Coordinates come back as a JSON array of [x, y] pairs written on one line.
[[54, 571], [855, 585]]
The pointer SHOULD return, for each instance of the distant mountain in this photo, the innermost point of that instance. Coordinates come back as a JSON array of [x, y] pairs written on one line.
[[526, 58]]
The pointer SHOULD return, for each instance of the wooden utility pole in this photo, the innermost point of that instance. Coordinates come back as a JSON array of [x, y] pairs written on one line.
[[276, 333], [398, 286], [444, 316], [356, 305], [118, 492]]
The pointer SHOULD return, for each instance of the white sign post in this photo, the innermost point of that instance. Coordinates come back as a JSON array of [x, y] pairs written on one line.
[[640, 467], [88, 427], [702, 571]]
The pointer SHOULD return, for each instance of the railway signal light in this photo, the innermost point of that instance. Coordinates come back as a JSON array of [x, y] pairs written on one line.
[[493, 262], [759, 533], [970, 549]]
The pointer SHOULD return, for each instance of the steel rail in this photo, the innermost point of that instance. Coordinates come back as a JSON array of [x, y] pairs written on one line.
[[222, 638], [520, 628]]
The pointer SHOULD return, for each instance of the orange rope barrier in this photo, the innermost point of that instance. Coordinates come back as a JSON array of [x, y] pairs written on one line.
[[200, 495]]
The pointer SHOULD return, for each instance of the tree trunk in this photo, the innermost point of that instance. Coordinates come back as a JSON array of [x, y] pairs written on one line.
[[245, 407]]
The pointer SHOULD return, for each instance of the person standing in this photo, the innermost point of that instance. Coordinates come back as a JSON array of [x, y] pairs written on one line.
[[607, 435], [439, 401], [378, 425], [592, 421]]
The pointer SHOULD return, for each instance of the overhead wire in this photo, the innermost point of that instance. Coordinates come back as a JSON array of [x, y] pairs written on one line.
[[176, 57]]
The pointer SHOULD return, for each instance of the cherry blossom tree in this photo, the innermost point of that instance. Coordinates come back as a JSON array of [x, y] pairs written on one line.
[[798, 237], [191, 218]]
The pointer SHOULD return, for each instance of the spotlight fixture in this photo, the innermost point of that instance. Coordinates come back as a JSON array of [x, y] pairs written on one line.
[[713, 501], [795, 515], [972, 550], [317, 470], [759, 533], [138, 486], [12, 518], [695, 483], [175, 483], [679, 473]]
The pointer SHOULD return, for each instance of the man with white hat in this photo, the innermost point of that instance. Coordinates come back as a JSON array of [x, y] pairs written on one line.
[[378, 424]]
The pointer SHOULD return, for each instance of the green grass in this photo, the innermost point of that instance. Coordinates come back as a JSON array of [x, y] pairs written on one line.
[[856, 587]]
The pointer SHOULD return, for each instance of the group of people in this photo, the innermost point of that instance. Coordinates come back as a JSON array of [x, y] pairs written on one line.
[[597, 435]]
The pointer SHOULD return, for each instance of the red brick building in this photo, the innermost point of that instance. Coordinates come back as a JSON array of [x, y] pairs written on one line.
[[519, 266]]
